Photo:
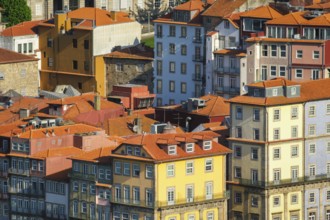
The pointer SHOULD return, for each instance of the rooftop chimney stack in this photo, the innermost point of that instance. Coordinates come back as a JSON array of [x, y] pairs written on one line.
[[97, 102]]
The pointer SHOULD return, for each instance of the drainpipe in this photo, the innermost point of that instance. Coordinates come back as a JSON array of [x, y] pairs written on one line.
[[267, 164]]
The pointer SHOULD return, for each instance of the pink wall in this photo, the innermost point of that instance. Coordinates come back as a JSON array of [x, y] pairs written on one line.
[[57, 164], [307, 54]]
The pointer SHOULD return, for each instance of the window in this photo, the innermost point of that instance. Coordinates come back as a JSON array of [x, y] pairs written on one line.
[[254, 201], [237, 151], [226, 24], [84, 207], [74, 43], [293, 90], [238, 172], [299, 73], [263, 73], [189, 167], [172, 48], [30, 47], [136, 195], [86, 65], [276, 153], [312, 216], [238, 197], [172, 31], [190, 193], [299, 54], [328, 195], [159, 31], [50, 61], [328, 108], [149, 171], [328, 128], [256, 134], [127, 169], [86, 44], [210, 216], [312, 148], [170, 195], [294, 132], [75, 64], [183, 87], [183, 50], [208, 165], [311, 197], [316, 54], [171, 86], [183, 31], [294, 112], [75, 187], [277, 114], [101, 174], [277, 176], [117, 167], [136, 170], [209, 190], [294, 151], [273, 50], [276, 133], [159, 87], [207, 145], [312, 170], [256, 114], [238, 132], [239, 113], [311, 111], [283, 51], [190, 147], [254, 154], [265, 50], [183, 68], [282, 70], [119, 67], [172, 67], [172, 150], [170, 170], [149, 197], [159, 50], [276, 201], [294, 199], [83, 187], [273, 70], [311, 130], [92, 189], [49, 42], [294, 173]]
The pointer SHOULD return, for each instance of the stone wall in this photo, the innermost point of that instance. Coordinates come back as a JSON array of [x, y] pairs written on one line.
[[22, 77]]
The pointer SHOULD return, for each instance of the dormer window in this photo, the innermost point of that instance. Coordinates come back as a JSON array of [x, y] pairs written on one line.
[[137, 151], [129, 150], [207, 145], [190, 147], [256, 93], [293, 91], [171, 150], [275, 92]]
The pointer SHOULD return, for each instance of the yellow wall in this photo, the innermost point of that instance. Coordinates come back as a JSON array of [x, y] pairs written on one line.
[[198, 179], [285, 201], [100, 76]]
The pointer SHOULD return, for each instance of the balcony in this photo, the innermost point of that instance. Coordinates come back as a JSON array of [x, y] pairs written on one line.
[[29, 192], [91, 177], [227, 89], [197, 39], [197, 58], [197, 77], [28, 212], [141, 203], [19, 172], [194, 200], [227, 70]]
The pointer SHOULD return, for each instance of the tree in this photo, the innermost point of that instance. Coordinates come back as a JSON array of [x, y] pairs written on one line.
[[16, 11], [150, 10]]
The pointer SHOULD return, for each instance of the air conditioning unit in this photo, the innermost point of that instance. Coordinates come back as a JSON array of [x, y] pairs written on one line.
[[296, 36]]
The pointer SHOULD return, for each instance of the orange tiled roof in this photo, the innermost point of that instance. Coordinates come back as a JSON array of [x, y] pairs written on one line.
[[58, 131], [123, 126], [295, 18], [221, 8], [62, 176], [101, 17], [21, 29], [309, 91], [57, 152], [231, 52], [265, 12], [97, 155], [273, 83], [191, 5], [149, 142], [323, 20], [138, 52], [8, 56]]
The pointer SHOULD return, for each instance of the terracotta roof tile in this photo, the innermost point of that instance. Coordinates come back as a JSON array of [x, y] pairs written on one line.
[[58, 131], [98, 155], [21, 29], [221, 8], [8, 56], [295, 18], [123, 126], [323, 20], [319, 6], [191, 5], [273, 83], [57, 152], [265, 12], [149, 142], [61, 176], [309, 91], [138, 52]]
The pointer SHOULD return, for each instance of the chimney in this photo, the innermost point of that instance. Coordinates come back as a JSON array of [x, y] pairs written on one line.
[[97, 102], [24, 113], [139, 125], [113, 15], [53, 132]]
